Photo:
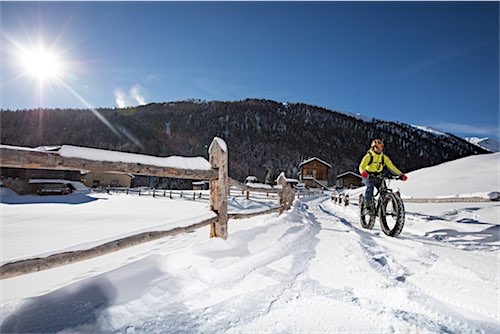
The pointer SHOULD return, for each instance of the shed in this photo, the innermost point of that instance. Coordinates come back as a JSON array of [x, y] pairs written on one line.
[[102, 179], [201, 185], [349, 180], [18, 179], [314, 173], [56, 187], [251, 179]]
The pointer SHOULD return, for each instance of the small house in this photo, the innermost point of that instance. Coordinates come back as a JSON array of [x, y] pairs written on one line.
[[103, 179], [251, 179], [56, 187], [349, 180], [201, 185], [18, 179], [314, 173]]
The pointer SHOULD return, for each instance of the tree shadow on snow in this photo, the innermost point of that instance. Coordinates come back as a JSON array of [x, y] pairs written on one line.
[[486, 236], [83, 306], [51, 199], [61, 309]]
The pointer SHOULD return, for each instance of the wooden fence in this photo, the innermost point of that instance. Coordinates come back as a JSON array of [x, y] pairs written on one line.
[[216, 173]]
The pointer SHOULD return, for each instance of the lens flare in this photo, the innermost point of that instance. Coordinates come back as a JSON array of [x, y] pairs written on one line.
[[41, 64]]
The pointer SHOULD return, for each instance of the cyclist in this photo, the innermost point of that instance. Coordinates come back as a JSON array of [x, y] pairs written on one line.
[[373, 163]]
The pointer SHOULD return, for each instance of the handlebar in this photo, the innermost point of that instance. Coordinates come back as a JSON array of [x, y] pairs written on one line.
[[386, 177]]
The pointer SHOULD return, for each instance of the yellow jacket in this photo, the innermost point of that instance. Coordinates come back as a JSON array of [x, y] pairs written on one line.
[[377, 164]]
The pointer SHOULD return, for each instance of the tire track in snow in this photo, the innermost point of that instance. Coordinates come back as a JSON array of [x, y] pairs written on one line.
[[381, 260]]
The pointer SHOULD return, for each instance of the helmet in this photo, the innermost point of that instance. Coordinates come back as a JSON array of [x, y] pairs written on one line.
[[378, 144]]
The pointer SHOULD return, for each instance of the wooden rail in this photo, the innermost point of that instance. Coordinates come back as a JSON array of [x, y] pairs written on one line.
[[217, 173], [446, 200], [244, 187], [22, 267], [21, 157]]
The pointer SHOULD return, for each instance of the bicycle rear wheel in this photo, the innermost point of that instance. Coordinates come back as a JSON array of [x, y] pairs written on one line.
[[392, 215], [365, 219]]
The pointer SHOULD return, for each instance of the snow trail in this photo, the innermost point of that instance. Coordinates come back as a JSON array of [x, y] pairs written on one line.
[[311, 269]]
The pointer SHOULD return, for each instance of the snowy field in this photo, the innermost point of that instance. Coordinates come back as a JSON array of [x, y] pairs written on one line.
[[312, 269]]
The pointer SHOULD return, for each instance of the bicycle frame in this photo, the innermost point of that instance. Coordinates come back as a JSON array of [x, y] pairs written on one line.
[[382, 191]]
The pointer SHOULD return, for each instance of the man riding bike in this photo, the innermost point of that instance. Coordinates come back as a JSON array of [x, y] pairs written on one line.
[[373, 163]]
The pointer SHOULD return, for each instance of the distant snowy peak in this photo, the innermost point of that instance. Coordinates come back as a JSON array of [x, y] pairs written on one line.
[[431, 130], [489, 144]]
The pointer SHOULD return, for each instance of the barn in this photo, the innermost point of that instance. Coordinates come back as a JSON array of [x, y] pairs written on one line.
[[349, 180], [314, 173], [102, 179]]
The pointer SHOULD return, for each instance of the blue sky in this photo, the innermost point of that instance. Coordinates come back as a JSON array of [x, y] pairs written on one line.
[[424, 63]]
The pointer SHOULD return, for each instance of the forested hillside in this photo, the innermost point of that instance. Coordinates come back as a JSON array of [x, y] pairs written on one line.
[[263, 137]]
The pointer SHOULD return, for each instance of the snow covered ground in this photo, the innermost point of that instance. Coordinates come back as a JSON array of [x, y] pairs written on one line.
[[312, 269]]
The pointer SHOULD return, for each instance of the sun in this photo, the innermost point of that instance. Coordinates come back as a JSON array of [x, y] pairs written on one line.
[[41, 64]]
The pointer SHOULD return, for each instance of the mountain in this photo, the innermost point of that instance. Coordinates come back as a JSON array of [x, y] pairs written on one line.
[[490, 144], [264, 137]]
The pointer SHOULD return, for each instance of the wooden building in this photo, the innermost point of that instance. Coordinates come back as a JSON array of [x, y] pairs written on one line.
[[349, 180], [201, 185], [314, 173], [102, 179], [18, 179]]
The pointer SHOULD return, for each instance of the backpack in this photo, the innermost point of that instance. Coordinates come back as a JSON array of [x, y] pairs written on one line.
[[371, 159]]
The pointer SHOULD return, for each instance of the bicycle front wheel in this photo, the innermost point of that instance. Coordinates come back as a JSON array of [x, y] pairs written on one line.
[[366, 220], [392, 215]]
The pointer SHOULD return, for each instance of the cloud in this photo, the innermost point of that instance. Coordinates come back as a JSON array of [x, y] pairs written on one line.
[[134, 96], [120, 98], [468, 129], [425, 63]]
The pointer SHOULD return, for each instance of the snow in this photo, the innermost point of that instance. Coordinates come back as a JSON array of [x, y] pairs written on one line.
[[491, 144], [222, 144], [191, 163], [317, 159], [257, 185], [466, 177], [78, 187], [431, 130], [311, 269], [68, 151]]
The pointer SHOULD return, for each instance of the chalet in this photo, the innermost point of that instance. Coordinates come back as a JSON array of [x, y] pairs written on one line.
[[201, 185], [18, 179], [314, 173], [349, 180], [56, 187], [102, 179], [251, 179]]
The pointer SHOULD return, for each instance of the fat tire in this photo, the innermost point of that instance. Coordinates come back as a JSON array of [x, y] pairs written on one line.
[[365, 220], [399, 214]]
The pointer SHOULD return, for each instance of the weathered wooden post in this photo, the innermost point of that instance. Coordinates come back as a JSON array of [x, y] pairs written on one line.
[[219, 187], [286, 196]]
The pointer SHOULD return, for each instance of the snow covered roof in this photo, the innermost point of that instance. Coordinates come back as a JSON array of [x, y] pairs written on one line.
[[318, 159], [115, 156], [347, 173], [78, 186], [199, 183], [68, 151], [251, 178]]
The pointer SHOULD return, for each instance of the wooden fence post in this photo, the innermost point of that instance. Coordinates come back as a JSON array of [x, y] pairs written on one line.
[[286, 196], [218, 157]]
